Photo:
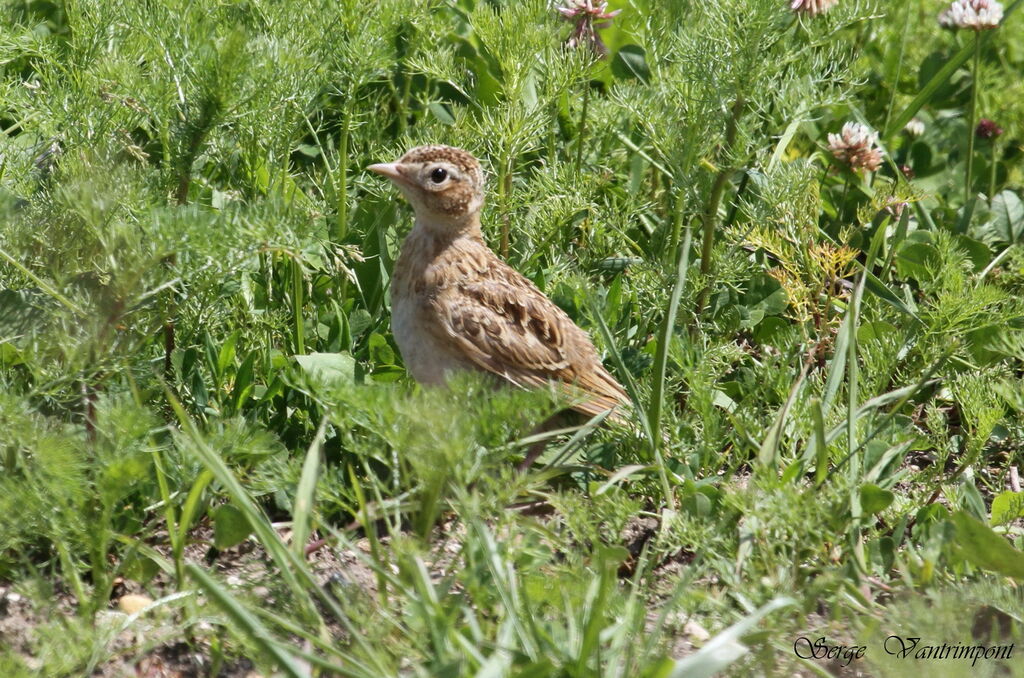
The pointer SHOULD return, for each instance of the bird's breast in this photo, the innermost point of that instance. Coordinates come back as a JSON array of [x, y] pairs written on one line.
[[419, 274]]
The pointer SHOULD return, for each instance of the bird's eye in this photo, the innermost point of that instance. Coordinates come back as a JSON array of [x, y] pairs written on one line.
[[439, 175]]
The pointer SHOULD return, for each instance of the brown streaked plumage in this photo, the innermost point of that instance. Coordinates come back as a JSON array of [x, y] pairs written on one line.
[[456, 305]]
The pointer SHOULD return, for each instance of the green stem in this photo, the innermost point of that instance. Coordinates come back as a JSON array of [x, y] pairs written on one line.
[[67, 303], [842, 201], [553, 136], [505, 190], [297, 303], [406, 94], [583, 126], [666, 330], [710, 220], [992, 171], [341, 228], [971, 118]]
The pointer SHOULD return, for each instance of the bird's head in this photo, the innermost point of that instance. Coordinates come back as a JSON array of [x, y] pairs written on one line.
[[444, 185]]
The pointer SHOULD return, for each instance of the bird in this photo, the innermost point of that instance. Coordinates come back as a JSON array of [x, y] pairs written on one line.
[[457, 306]]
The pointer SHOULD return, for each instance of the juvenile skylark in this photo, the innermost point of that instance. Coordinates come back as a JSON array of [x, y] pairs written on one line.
[[457, 306]]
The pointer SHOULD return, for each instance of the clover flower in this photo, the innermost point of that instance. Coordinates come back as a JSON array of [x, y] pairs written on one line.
[[914, 128], [977, 15], [987, 129], [587, 16], [855, 146], [812, 7]]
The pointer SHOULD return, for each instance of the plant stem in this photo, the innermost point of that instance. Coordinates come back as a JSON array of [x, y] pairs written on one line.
[[553, 137], [297, 303], [341, 228], [583, 125], [505, 189], [971, 117], [710, 220], [41, 284], [992, 171], [842, 201], [406, 92], [666, 330]]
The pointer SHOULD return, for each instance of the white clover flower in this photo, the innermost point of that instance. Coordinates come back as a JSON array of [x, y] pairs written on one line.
[[855, 146], [914, 128], [812, 7], [977, 15]]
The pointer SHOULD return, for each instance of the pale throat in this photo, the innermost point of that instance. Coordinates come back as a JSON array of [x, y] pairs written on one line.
[[446, 227]]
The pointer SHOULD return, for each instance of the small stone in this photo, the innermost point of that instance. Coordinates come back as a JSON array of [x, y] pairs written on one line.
[[696, 631], [133, 603]]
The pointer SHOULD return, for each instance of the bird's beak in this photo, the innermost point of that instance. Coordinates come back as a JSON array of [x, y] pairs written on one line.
[[389, 170]]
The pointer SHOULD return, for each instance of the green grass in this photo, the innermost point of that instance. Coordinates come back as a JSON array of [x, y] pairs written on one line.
[[201, 399]]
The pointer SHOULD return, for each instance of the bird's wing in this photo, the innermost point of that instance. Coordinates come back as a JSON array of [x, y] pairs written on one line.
[[503, 324]]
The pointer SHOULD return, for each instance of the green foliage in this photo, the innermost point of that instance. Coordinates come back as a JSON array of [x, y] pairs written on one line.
[[197, 371]]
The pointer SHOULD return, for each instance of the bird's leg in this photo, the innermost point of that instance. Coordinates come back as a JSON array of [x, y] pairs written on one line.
[[553, 423]]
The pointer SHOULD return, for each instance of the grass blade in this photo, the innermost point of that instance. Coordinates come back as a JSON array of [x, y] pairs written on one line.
[[645, 421], [248, 623], [269, 537], [305, 494], [819, 447], [725, 648], [767, 456], [664, 337], [188, 512], [853, 377]]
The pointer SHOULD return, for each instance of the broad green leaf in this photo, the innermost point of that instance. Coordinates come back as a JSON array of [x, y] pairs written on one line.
[[243, 381], [358, 321], [977, 251], [328, 367], [226, 356], [631, 62], [1008, 217], [766, 294], [915, 259], [381, 352], [441, 112], [230, 527], [985, 548], [1007, 506], [874, 499]]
